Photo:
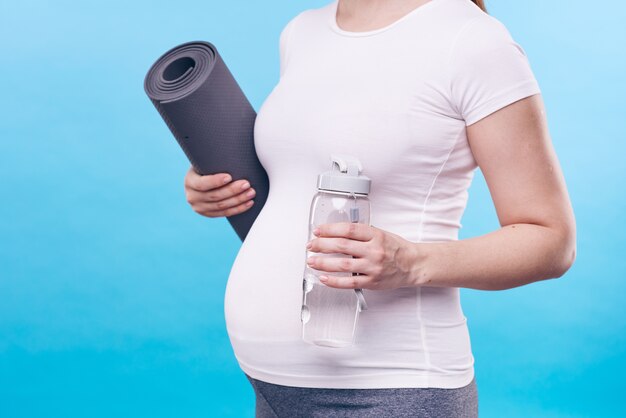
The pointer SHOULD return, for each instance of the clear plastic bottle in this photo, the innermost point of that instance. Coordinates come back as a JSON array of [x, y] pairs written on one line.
[[330, 315]]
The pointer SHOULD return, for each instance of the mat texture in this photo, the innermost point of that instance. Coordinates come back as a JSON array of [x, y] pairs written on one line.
[[210, 117]]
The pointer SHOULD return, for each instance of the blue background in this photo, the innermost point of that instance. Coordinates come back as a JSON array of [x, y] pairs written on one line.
[[111, 287]]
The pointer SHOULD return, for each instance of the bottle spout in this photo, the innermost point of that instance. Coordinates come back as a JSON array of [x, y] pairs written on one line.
[[347, 164]]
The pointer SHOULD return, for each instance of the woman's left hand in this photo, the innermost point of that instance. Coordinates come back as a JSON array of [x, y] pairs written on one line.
[[383, 260]]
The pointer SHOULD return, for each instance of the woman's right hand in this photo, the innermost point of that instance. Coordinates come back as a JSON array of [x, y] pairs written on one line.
[[210, 196]]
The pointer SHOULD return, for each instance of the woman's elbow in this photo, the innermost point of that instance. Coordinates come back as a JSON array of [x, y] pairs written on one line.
[[567, 250], [567, 263]]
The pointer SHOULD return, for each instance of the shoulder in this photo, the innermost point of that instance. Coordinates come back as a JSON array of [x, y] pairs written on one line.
[[287, 30], [453, 25], [478, 32], [311, 16]]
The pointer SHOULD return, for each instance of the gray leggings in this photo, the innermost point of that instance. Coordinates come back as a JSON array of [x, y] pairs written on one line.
[[277, 401]]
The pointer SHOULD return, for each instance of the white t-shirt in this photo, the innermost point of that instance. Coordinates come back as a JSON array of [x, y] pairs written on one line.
[[399, 99]]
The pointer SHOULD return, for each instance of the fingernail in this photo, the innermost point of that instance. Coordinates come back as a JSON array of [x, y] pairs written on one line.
[[251, 193], [245, 185], [227, 179], [316, 231], [308, 245], [323, 279], [310, 260]]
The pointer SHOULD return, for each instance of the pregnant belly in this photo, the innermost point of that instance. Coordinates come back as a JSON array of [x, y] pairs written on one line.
[[405, 331], [264, 290]]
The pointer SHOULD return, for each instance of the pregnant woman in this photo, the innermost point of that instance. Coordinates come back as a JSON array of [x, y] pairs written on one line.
[[422, 93]]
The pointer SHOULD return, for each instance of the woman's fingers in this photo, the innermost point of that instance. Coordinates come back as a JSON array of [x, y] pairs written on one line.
[[216, 195], [338, 245], [340, 264], [200, 183], [221, 193], [348, 282], [227, 207]]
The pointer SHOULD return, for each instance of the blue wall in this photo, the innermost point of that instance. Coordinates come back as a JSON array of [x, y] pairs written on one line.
[[111, 287]]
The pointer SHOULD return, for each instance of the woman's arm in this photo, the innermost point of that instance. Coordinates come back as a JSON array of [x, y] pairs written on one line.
[[537, 240]]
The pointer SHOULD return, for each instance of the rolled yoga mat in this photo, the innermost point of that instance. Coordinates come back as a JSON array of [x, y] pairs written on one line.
[[210, 117]]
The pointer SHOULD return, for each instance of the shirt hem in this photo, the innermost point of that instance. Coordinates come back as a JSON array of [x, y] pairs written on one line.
[[370, 381], [518, 92]]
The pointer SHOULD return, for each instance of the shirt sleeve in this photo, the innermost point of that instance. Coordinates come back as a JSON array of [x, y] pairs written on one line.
[[489, 70]]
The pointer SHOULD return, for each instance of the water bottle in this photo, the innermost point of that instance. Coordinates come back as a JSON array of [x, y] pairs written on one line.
[[330, 315]]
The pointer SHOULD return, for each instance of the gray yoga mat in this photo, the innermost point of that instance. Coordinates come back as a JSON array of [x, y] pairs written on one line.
[[210, 117]]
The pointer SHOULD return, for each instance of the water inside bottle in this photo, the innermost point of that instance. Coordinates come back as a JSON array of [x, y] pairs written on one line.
[[329, 315]]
